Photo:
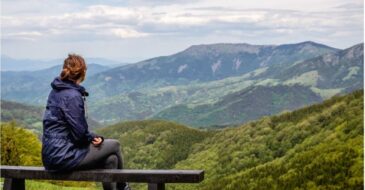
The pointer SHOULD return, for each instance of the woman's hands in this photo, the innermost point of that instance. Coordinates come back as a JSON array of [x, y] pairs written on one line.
[[97, 141]]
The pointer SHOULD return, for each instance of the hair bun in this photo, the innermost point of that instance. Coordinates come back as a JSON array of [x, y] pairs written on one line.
[[74, 68]]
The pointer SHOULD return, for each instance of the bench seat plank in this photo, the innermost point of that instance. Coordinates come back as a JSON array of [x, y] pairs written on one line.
[[105, 175]]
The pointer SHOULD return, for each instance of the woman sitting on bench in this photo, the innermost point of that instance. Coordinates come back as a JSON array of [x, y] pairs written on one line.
[[67, 144]]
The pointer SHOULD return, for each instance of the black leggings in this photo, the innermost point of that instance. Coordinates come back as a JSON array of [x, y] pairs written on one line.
[[105, 156]]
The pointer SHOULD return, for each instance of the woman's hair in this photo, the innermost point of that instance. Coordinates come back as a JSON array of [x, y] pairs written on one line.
[[74, 68]]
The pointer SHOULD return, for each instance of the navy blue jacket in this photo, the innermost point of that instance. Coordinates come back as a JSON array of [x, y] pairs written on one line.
[[66, 138]]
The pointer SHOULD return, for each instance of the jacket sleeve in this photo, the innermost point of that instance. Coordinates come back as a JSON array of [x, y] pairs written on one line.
[[74, 113]]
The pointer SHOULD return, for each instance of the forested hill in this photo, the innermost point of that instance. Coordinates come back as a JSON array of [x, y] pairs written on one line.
[[317, 147], [243, 106]]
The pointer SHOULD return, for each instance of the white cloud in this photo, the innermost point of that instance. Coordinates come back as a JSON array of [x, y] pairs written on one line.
[[24, 35], [127, 33]]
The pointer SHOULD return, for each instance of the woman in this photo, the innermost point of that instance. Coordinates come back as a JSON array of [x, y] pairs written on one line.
[[67, 144]]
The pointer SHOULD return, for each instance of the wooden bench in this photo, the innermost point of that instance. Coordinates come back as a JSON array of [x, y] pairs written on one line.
[[15, 176]]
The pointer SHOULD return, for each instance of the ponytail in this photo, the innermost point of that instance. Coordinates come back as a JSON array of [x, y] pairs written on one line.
[[65, 74]]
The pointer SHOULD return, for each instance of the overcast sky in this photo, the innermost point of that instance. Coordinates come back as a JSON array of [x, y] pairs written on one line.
[[133, 30]]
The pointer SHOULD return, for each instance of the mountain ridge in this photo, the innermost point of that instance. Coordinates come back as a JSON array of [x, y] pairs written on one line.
[[316, 77], [182, 68]]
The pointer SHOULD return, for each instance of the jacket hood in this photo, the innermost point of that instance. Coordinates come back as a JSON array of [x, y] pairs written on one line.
[[59, 84]]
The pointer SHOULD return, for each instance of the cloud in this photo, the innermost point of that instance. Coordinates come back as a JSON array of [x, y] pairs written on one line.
[[127, 33], [144, 21], [199, 21], [32, 36]]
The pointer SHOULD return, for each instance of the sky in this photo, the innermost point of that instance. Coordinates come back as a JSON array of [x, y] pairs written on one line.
[[133, 30]]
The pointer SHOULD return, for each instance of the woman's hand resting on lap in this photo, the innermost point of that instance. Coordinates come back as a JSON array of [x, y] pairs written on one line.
[[97, 141]]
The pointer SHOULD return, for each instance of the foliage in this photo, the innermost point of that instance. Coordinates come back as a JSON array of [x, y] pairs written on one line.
[[37, 185], [153, 143], [19, 146]]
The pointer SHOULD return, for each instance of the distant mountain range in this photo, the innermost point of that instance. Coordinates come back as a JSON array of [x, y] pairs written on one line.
[[11, 64], [206, 82]]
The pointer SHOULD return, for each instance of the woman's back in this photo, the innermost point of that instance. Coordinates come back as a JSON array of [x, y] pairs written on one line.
[[67, 142], [65, 130]]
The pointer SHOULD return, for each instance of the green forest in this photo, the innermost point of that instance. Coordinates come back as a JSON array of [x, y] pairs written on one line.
[[316, 147]]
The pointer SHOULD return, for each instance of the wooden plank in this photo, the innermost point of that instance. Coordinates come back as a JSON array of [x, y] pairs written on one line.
[[14, 184], [156, 186], [106, 175]]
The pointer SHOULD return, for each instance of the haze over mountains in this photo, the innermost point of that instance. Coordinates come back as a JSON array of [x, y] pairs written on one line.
[[12, 64], [32, 87], [205, 81]]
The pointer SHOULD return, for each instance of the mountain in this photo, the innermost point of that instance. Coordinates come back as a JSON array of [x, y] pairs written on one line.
[[29, 117], [32, 87], [316, 147], [277, 88], [239, 107], [197, 102], [199, 63]]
